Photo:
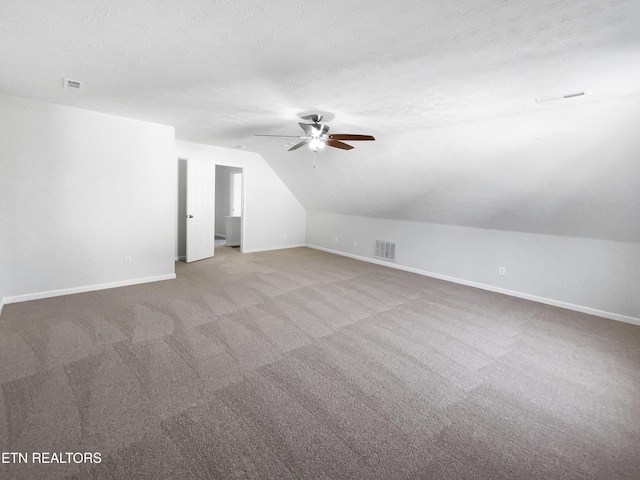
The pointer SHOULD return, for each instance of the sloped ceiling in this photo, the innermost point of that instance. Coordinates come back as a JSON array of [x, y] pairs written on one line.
[[447, 87]]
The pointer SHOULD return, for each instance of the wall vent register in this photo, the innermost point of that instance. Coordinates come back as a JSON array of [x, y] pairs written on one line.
[[72, 84], [385, 250], [556, 98]]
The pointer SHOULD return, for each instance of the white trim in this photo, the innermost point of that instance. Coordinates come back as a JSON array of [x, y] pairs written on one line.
[[281, 247], [87, 288], [491, 288]]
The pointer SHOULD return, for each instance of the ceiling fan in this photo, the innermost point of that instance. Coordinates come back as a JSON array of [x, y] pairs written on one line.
[[318, 136]]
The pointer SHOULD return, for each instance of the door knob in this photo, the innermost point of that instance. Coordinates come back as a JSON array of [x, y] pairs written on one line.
[[189, 216]]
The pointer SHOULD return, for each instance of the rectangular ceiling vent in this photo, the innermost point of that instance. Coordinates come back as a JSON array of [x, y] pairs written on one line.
[[557, 98], [385, 250], [73, 84]]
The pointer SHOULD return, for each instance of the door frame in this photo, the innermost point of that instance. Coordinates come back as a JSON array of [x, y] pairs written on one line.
[[181, 234]]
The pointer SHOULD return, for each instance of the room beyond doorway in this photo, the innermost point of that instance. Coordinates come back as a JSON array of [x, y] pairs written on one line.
[[228, 206]]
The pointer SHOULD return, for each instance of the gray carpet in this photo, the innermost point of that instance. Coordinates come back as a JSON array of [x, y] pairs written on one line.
[[298, 364]]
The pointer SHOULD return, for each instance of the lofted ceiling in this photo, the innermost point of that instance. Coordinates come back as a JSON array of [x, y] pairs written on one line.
[[447, 87]]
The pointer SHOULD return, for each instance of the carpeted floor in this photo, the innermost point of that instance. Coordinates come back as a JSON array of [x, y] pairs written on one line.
[[298, 364]]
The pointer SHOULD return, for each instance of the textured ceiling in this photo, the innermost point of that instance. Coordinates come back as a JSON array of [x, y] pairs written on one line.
[[414, 73]]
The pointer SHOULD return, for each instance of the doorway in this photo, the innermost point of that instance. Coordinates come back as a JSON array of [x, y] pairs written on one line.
[[223, 191], [228, 206]]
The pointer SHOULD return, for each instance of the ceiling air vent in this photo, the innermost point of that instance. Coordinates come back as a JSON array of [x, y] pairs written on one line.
[[557, 98], [385, 250], [73, 84]]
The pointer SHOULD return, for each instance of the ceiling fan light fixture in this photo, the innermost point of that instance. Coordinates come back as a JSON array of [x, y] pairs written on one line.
[[316, 144]]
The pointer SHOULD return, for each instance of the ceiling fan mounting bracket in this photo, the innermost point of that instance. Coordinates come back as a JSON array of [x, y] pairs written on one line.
[[316, 112], [314, 117]]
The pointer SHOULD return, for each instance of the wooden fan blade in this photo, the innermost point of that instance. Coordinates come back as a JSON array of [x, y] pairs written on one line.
[[298, 145], [338, 144], [347, 136]]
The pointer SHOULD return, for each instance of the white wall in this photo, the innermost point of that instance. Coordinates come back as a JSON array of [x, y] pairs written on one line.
[[568, 169], [270, 209], [596, 276], [79, 191], [1, 288]]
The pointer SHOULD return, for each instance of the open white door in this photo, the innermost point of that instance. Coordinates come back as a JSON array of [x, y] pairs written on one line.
[[200, 210]]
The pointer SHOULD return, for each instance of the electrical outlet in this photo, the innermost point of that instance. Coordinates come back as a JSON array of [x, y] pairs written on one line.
[[355, 243], [336, 239], [127, 261], [502, 271], [284, 235]]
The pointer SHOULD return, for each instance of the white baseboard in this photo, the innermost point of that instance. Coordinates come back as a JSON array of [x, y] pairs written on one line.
[[491, 288], [86, 288], [281, 247], [2, 302]]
